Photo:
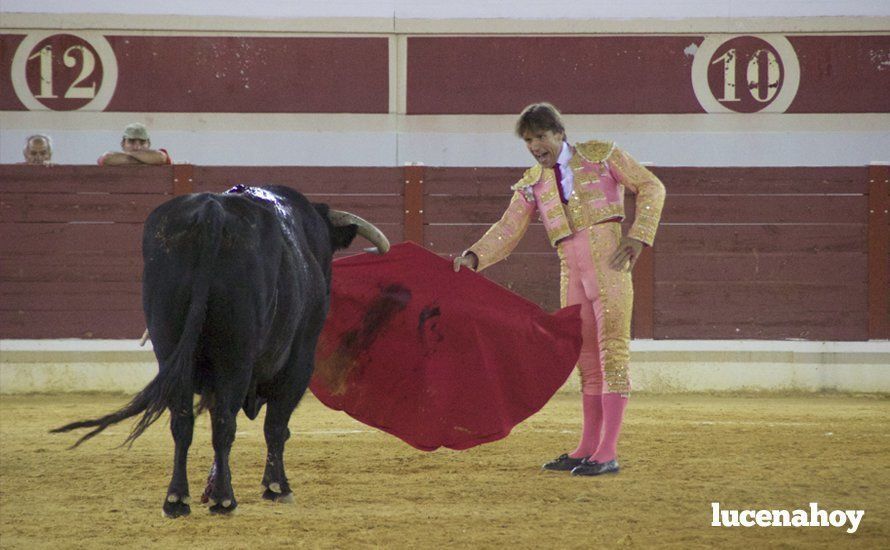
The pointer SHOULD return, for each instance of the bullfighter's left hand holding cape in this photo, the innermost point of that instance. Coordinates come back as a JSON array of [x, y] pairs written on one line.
[[434, 357]]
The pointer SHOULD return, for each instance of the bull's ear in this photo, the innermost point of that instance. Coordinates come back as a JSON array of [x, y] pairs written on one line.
[[322, 209], [341, 237], [339, 218]]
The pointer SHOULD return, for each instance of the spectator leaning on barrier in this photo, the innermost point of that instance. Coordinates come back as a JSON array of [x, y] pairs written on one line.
[[136, 149], [578, 192], [38, 150]]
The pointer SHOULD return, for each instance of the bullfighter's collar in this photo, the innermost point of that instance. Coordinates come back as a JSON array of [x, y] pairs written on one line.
[[591, 151]]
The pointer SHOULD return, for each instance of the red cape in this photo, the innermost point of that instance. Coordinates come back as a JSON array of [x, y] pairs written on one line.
[[434, 357]]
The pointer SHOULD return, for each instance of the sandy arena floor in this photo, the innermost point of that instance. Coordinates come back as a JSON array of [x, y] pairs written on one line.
[[359, 488]]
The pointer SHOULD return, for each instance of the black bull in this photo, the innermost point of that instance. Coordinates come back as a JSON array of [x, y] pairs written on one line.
[[235, 293]]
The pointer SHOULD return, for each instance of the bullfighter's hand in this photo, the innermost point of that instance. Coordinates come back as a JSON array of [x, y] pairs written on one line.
[[469, 260], [626, 255]]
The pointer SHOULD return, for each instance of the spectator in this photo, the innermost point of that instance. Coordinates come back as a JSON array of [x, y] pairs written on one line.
[[136, 149], [38, 150]]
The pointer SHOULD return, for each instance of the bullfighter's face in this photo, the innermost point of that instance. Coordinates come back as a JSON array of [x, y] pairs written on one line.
[[544, 145]]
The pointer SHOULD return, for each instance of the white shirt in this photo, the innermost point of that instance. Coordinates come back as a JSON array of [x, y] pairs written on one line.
[[568, 179]]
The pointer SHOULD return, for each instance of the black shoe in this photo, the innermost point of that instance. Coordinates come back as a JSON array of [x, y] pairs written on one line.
[[563, 463], [593, 468]]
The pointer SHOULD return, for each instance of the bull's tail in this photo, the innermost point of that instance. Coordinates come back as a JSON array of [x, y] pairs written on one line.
[[139, 404], [174, 382]]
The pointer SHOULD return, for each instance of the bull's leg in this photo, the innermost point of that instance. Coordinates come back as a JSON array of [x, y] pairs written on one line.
[[295, 380], [221, 497], [182, 423], [275, 483]]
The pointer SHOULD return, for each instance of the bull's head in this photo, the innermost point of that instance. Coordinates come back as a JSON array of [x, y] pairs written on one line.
[[345, 224], [341, 219]]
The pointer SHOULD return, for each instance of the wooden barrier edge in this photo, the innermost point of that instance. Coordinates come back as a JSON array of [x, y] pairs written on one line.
[[878, 249]]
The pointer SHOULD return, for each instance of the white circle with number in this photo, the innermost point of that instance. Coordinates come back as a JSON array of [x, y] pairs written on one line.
[[785, 89], [97, 41]]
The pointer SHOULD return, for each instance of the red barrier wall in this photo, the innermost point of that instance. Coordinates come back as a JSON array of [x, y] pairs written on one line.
[[766, 253]]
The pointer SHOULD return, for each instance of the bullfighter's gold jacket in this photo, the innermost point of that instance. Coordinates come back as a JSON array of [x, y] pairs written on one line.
[[601, 174]]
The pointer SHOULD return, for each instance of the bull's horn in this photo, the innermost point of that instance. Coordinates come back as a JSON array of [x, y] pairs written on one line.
[[376, 237]]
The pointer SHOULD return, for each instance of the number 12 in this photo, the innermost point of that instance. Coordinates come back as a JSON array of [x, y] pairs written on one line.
[[45, 55]]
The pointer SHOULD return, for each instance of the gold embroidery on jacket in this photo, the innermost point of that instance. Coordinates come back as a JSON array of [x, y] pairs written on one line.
[[501, 238], [554, 212], [595, 151], [560, 232], [586, 194], [549, 195], [649, 191], [527, 182], [563, 277], [586, 178], [590, 162]]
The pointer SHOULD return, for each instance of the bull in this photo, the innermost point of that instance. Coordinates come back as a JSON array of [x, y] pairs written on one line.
[[235, 290]]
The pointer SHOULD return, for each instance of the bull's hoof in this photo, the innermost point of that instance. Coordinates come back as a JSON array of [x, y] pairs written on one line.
[[269, 494], [174, 506], [225, 507]]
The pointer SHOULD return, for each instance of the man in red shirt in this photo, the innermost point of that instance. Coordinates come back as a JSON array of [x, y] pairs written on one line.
[[135, 149]]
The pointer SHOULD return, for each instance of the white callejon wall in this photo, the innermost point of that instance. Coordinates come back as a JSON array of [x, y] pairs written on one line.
[[658, 366], [395, 140]]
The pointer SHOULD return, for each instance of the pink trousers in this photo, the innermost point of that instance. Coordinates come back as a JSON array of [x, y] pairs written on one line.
[[606, 298]]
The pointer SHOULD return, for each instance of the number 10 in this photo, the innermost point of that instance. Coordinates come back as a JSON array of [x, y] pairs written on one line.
[[753, 74]]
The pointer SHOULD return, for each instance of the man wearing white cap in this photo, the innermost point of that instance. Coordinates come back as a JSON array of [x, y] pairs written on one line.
[[136, 149]]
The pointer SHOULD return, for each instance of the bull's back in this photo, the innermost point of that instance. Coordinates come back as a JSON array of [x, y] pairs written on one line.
[[260, 283], [228, 233]]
